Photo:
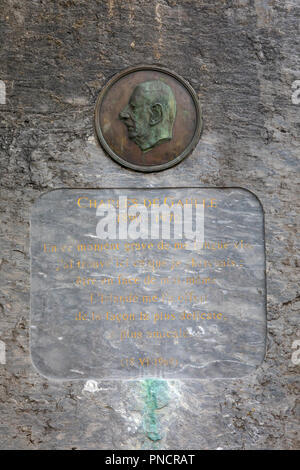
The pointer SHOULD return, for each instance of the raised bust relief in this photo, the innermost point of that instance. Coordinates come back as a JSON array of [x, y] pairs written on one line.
[[150, 114]]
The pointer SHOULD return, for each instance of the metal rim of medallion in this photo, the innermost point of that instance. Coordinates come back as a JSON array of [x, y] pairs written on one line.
[[151, 168]]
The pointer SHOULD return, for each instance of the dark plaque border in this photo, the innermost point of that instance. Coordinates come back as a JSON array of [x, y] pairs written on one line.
[[151, 168]]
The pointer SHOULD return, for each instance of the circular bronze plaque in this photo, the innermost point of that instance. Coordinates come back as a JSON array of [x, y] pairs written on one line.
[[148, 118]]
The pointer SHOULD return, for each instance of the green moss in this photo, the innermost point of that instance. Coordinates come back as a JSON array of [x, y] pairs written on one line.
[[155, 395]]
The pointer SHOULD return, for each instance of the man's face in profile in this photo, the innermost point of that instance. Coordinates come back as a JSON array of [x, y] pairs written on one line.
[[136, 116], [150, 113]]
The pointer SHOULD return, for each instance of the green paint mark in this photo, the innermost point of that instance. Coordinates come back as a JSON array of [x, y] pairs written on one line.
[[155, 395]]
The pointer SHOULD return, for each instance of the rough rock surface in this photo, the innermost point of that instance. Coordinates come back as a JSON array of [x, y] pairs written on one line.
[[241, 57]]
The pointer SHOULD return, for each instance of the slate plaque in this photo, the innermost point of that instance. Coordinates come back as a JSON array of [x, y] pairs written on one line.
[[133, 283]]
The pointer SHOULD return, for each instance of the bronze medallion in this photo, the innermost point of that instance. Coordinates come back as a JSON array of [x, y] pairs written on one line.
[[148, 118]]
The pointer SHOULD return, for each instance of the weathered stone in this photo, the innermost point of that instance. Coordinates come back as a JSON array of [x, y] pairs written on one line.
[[241, 56]]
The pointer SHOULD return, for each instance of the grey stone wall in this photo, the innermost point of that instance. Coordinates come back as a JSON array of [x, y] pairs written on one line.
[[241, 57]]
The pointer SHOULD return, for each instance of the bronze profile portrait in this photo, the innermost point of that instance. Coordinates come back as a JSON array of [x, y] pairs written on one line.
[[148, 118], [150, 114]]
